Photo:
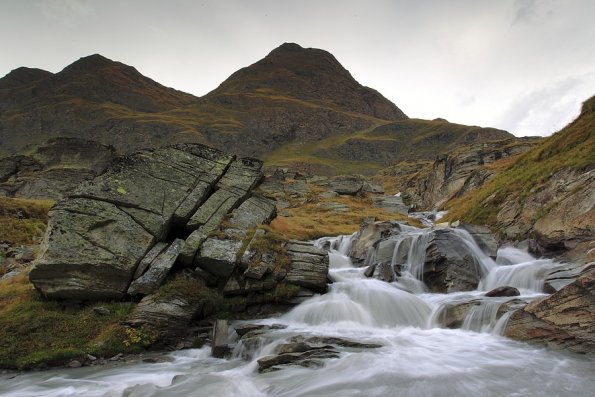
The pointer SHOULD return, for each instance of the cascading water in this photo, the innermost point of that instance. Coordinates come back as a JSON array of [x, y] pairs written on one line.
[[416, 358]]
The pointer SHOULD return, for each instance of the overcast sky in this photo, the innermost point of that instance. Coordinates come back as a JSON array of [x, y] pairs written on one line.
[[520, 65]]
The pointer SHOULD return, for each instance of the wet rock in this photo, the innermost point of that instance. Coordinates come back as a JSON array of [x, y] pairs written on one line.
[[246, 328], [367, 236], [449, 265], [369, 272], [384, 271], [310, 358], [503, 291], [563, 320], [333, 340], [453, 315], [158, 270], [308, 266], [220, 348], [75, 364], [483, 237]]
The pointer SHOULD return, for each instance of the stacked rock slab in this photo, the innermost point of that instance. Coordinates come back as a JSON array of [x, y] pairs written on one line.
[[230, 191], [97, 236]]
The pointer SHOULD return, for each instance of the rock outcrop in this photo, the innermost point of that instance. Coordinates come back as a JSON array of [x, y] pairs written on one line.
[[53, 169], [442, 258], [180, 229], [563, 320], [98, 235]]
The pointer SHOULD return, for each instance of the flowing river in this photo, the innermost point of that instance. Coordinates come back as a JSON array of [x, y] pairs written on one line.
[[417, 356]]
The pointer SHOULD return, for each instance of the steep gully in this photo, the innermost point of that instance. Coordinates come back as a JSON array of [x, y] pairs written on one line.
[[365, 337]]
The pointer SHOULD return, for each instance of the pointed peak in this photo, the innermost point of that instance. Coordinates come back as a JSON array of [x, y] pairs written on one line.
[[288, 47], [90, 63]]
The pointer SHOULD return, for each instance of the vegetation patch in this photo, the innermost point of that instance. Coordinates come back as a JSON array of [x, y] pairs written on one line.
[[23, 221], [37, 333], [315, 218]]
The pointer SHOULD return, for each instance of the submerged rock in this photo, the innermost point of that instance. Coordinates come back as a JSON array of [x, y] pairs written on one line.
[[503, 291]]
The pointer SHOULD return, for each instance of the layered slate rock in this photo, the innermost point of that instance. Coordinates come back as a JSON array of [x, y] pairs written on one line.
[[563, 320], [308, 266], [97, 236]]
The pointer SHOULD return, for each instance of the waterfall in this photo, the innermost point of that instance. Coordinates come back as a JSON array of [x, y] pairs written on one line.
[[526, 275], [414, 354]]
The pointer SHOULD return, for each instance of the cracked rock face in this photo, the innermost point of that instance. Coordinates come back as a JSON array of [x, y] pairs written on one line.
[[97, 237]]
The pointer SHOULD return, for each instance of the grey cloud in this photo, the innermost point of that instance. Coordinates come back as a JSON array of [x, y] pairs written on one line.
[[548, 109]]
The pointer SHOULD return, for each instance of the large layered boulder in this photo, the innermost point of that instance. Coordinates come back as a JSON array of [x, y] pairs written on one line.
[[97, 236], [563, 320]]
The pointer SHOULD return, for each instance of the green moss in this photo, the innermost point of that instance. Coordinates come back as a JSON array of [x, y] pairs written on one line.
[[36, 332], [23, 221]]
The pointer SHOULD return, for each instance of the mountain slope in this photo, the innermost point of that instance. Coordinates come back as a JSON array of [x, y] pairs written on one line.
[[93, 98], [548, 192], [297, 106]]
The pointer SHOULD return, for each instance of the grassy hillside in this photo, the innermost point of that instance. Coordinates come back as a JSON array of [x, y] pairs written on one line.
[[571, 148], [370, 150]]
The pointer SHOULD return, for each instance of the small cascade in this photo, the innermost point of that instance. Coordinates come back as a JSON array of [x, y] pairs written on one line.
[[528, 276], [482, 317], [485, 262], [512, 255], [414, 354]]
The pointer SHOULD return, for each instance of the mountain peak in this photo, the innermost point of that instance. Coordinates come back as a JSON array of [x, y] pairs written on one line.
[[308, 74], [91, 63], [23, 75]]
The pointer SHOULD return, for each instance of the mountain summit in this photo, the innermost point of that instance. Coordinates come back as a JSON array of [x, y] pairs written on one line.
[[309, 74], [296, 106]]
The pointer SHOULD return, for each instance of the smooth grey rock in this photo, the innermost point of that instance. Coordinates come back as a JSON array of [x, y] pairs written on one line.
[[373, 187], [158, 270], [347, 184], [218, 257], [391, 203]]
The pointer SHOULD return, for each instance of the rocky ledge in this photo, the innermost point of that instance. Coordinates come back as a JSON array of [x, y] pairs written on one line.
[[180, 229]]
